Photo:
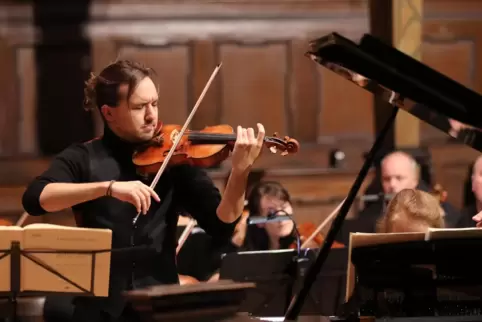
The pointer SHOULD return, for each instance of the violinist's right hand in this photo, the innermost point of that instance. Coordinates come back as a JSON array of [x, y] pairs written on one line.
[[136, 193]]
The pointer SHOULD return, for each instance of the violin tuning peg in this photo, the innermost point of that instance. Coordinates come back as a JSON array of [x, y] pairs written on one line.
[[287, 138], [275, 134], [284, 153], [273, 149]]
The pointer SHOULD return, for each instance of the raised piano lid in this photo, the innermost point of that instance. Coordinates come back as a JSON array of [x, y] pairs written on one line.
[[405, 82]]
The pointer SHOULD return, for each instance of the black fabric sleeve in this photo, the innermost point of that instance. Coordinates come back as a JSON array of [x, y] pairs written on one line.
[[201, 198], [70, 166], [452, 215]]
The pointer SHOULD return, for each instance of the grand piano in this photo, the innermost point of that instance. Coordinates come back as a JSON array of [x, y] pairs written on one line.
[[407, 84], [451, 290]]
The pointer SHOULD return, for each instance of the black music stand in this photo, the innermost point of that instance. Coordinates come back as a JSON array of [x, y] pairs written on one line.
[[277, 276], [419, 279], [16, 253]]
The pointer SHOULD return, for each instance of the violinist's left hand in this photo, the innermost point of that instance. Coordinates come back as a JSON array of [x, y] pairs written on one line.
[[247, 148]]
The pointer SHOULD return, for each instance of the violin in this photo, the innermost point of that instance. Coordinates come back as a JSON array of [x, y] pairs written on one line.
[[306, 230], [187, 280], [5, 222], [19, 222], [205, 148], [439, 192], [311, 236]]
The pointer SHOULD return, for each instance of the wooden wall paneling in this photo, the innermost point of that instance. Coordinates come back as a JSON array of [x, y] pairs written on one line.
[[235, 8], [449, 9], [11, 199], [450, 163], [453, 55], [255, 80], [346, 110], [9, 103], [204, 61], [103, 51], [305, 101], [27, 90]]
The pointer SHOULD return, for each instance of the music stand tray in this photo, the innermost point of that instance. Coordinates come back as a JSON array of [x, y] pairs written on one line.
[[277, 275]]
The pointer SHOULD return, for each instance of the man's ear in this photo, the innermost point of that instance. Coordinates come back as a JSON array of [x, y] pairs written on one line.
[[106, 112]]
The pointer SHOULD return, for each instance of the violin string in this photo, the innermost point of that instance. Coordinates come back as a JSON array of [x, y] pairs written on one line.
[[201, 136]]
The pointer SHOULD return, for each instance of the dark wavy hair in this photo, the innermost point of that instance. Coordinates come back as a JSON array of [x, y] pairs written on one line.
[[103, 89], [256, 237]]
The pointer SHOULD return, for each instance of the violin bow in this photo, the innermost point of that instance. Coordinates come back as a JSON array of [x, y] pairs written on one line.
[[22, 219], [181, 133], [185, 234], [323, 224]]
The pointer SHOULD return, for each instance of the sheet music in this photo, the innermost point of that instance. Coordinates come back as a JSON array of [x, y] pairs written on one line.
[[76, 267], [7, 235], [449, 233], [372, 239], [274, 251]]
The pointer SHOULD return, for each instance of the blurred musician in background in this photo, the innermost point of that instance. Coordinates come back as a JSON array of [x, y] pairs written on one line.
[[468, 216], [200, 257], [268, 198], [399, 171], [411, 210]]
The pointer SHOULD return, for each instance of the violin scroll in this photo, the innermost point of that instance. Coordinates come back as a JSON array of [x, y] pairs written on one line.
[[286, 145]]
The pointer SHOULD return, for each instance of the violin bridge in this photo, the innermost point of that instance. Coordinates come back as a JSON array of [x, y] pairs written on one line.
[[174, 135]]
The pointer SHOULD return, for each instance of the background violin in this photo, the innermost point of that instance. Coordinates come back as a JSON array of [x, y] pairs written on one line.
[[308, 229], [439, 192], [186, 279], [204, 148], [311, 236]]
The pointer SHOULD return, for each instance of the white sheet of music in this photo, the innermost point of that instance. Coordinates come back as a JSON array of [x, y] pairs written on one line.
[[75, 267]]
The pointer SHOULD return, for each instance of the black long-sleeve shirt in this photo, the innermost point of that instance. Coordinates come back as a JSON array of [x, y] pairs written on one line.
[[181, 188]]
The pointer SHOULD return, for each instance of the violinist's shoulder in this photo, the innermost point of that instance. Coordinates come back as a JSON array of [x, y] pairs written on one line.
[[74, 153], [76, 148]]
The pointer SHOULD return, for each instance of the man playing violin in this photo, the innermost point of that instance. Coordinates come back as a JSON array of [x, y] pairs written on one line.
[[98, 180]]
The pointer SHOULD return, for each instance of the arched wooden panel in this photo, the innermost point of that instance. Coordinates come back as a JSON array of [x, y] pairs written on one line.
[[255, 80], [346, 109], [9, 108], [27, 89], [305, 87], [454, 58]]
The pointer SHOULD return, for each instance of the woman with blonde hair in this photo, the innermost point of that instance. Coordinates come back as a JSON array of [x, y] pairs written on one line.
[[412, 210]]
